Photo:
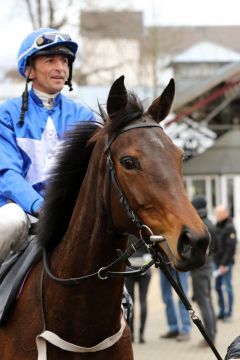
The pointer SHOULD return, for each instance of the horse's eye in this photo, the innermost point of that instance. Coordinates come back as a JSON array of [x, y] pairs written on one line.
[[129, 163]]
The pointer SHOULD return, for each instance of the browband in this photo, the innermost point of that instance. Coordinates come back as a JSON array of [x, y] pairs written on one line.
[[126, 128]]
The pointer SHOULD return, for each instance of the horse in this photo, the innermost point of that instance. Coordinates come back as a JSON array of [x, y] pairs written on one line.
[[122, 176]]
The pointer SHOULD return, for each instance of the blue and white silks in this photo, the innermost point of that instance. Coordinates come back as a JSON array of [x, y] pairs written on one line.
[[27, 152]]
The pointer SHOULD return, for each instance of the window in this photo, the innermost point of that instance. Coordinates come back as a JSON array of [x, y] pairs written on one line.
[[198, 187]]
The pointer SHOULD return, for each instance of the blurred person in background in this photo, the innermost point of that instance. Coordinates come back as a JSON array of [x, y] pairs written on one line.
[[202, 277], [178, 320], [138, 259], [224, 261]]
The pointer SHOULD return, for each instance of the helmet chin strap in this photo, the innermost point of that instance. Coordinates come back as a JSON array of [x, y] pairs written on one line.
[[69, 80]]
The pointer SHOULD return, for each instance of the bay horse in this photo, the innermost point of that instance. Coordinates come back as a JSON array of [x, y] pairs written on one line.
[[87, 216]]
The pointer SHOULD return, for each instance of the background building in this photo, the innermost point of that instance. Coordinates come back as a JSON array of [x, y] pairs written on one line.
[[216, 174]]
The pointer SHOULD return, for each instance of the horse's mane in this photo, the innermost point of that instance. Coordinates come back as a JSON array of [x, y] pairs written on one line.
[[71, 165], [64, 183]]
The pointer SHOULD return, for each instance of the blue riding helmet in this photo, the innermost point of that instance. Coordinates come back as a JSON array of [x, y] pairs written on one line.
[[44, 41]]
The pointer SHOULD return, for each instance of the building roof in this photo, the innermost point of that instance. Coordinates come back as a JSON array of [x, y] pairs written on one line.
[[206, 52], [222, 158], [224, 73], [171, 40]]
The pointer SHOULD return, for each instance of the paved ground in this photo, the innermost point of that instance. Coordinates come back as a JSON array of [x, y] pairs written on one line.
[[161, 349]]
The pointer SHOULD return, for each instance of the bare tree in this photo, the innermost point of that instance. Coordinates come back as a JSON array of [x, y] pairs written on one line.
[[45, 13]]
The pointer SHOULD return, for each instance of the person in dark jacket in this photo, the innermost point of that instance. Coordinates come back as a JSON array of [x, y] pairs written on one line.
[[202, 277], [233, 351], [224, 261]]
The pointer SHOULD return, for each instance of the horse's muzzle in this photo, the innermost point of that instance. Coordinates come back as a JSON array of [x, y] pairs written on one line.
[[192, 248]]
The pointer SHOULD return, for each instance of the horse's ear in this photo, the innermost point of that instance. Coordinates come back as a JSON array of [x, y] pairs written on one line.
[[161, 106], [117, 97]]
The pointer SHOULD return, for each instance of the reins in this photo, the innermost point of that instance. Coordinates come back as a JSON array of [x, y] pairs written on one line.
[[159, 262], [104, 272]]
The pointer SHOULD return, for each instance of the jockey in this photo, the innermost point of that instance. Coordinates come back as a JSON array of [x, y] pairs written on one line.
[[31, 127]]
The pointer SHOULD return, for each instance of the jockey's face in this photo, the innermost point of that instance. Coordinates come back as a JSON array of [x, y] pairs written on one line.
[[49, 73]]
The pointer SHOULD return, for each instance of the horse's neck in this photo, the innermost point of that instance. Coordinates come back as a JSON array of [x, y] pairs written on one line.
[[88, 243], [87, 246]]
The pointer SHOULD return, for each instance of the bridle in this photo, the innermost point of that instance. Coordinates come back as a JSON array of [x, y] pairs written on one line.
[[104, 272], [157, 259]]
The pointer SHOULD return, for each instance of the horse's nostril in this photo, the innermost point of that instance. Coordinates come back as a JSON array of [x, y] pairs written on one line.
[[192, 247], [185, 244], [186, 247]]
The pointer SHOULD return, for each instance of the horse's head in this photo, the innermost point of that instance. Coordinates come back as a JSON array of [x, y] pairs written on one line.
[[148, 169]]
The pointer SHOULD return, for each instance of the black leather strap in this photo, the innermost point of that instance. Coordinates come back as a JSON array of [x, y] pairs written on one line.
[[159, 262], [102, 273], [109, 142]]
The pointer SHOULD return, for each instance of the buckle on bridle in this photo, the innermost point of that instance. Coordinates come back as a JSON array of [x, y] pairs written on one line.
[[157, 238], [153, 238], [101, 277]]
